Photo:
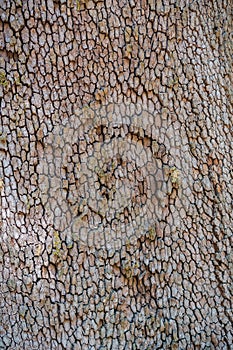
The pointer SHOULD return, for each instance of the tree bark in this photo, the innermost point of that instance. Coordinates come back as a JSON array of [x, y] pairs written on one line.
[[116, 174]]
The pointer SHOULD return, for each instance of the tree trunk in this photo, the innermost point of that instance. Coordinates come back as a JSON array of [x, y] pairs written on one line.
[[116, 174]]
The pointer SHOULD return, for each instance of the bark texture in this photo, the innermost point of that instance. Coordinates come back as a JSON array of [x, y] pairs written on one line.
[[116, 175]]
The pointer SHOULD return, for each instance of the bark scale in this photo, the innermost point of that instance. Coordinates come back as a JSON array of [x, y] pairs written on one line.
[[116, 174]]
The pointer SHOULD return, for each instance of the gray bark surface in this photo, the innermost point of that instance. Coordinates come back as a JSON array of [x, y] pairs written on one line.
[[116, 177]]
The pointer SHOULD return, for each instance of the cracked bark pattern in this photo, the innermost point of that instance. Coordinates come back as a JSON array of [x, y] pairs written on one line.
[[116, 174]]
